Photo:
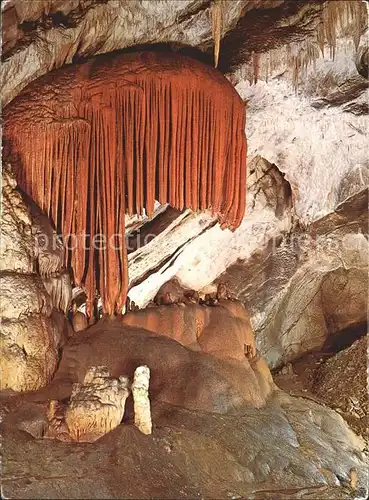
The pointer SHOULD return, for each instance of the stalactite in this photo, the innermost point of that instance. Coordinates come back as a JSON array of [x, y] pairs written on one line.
[[339, 18], [345, 17], [111, 135], [217, 26], [256, 65]]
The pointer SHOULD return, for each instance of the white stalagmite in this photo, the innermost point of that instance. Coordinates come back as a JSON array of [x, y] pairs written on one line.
[[140, 391]]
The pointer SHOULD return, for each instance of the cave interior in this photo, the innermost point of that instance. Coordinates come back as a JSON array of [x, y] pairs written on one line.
[[184, 249]]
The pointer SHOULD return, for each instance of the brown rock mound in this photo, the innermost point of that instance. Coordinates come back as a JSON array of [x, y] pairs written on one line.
[[179, 376]]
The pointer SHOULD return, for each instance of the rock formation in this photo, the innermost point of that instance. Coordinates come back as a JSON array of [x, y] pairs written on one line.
[[16, 244], [97, 405], [56, 427], [79, 320], [198, 380], [224, 331], [31, 331], [49, 255], [141, 401], [346, 370], [291, 447], [297, 262]]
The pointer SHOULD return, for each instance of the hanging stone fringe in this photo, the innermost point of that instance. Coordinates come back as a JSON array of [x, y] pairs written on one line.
[[106, 137]]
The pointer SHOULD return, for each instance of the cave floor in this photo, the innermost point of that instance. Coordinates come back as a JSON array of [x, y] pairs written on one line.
[[292, 448]]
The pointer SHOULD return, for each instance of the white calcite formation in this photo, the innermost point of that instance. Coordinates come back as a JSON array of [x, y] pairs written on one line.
[[140, 391], [16, 242], [97, 405]]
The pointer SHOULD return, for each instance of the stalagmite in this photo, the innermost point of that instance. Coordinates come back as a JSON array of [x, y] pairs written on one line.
[[95, 140], [140, 392], [96, 406], [256, 65]]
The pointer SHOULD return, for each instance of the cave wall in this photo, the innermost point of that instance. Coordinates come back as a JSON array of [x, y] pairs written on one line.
[[33, 329]]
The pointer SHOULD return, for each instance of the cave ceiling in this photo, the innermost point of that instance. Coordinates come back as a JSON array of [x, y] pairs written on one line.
[[44, 35]]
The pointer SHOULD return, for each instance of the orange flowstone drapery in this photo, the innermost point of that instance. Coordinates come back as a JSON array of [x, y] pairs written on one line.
[[96, 140]]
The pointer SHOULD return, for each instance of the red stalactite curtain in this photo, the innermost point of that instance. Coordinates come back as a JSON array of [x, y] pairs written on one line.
[[106, 137]]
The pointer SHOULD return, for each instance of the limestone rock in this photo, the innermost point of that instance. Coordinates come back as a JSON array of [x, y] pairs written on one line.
[[60, 290], [97, 405], [56, 426], [49, 254], [62, 329], [79, 321], [28, 243], [353, 182], [32, 331], [224, 331], [323, 297], [143, 23], [28, 352], [49, 249], [292, 448], [308, 285], [16, 242], [23, 294]]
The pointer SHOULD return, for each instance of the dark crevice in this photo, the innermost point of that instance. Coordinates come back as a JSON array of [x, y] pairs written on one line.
[[362, 63], [343, 339], [152, 270], [179, 48]]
